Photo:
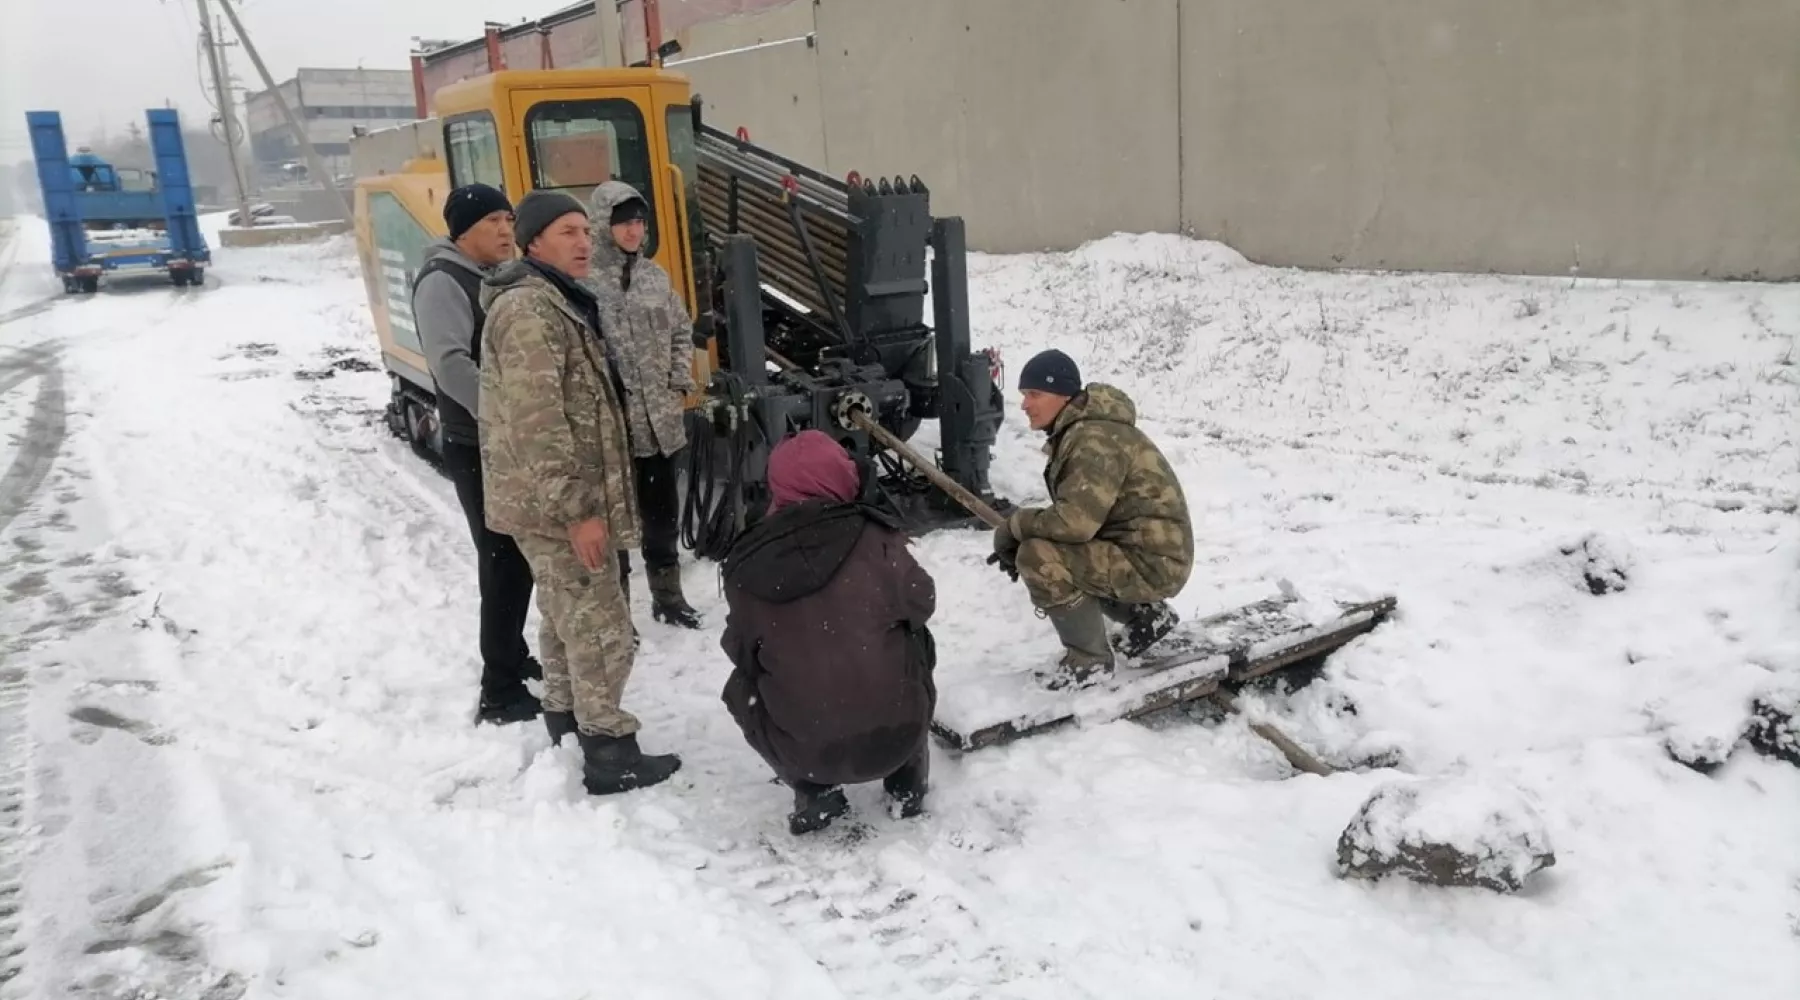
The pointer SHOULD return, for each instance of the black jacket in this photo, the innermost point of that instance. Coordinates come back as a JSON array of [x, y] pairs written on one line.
[[826, 629]]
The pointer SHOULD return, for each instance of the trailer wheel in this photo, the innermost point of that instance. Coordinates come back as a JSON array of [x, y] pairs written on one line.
[[196, 276]]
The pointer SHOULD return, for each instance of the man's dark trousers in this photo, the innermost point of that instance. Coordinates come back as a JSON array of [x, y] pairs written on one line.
[[659, 510], [505, 580]]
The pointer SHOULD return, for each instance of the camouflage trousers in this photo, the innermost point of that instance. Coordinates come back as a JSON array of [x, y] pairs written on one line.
[[584, 641], [1056, 574]]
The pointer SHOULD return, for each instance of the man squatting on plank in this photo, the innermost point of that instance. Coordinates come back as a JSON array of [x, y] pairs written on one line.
[[1115, 541]]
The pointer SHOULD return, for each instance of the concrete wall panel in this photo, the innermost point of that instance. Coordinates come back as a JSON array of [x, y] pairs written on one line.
[[320, 88], [678, 18], [1630, 138], [523, 51], [576, 43], [757, 71], [1042, 129], [385, 151], [442, 71]]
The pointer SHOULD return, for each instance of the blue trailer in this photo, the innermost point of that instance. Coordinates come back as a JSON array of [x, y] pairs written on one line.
[[106, 220]]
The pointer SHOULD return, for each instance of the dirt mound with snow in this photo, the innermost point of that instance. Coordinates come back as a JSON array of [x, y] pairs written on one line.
[[1447, 832]]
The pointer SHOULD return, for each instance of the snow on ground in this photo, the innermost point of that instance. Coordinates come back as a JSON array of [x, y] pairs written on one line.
[[240, 626]]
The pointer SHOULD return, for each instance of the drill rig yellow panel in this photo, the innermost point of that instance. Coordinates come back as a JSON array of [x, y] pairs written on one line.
[[398, 213]]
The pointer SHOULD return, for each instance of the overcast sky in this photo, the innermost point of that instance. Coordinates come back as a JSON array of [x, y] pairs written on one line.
[[102, 62]]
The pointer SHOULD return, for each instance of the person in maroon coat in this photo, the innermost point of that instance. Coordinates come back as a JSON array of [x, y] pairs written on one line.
[[826, 629]]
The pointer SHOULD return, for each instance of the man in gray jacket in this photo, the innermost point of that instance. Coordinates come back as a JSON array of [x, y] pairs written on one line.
[[448, 315]]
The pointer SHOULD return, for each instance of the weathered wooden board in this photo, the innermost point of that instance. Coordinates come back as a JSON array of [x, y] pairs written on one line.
[[979, 708]]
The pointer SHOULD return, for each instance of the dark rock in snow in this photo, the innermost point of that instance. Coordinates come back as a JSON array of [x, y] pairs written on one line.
[[1704, 756], [1446, 832], [1773, 731], [1605, 564]]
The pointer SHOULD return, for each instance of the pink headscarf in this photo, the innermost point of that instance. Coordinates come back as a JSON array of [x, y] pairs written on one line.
[[810, 466]]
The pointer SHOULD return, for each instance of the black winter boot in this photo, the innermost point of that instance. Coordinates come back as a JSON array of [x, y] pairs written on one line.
[[815, 806], [1145, 625], [558, 725], [666, 601], [507, 705], [907, 786], [1087, 658], [613, 764]]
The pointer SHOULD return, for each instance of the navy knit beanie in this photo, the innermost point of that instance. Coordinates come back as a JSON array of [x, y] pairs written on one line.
[[1051, 371], [470, 204]]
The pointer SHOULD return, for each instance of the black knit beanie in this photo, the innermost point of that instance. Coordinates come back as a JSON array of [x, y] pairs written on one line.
[[629, 210], [471, 203], [1051, 371]]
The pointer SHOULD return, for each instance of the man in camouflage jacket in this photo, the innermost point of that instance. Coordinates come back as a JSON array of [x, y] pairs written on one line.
[[1115, 541], [651, 340], [556, 475]]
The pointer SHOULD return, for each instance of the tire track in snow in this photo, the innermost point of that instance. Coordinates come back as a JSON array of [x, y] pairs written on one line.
[[28, 309], [15, 745], [44, 429], [875, 934], [15, 752]]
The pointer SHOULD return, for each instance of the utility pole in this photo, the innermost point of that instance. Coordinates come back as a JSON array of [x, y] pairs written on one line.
[[313, 161], [226, 117], [247, 165]]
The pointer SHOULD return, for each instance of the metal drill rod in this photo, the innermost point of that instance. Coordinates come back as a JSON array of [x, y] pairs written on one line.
[[860, 419], [822, 198], [725, 152]]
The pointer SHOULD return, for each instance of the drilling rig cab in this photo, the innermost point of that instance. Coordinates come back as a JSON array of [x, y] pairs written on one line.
[[807, 293]]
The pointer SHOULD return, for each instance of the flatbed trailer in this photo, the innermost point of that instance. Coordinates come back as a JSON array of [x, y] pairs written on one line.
[[100, 225]]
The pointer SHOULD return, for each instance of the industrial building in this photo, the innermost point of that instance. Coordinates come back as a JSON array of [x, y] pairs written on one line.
[[329, 103]]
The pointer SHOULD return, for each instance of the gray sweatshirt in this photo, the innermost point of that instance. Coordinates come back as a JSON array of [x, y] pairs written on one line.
[[445, 320]]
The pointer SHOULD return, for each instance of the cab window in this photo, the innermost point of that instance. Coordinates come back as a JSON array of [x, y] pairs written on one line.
[[133, 179], [686, 154], [574, 146], [472, 144]]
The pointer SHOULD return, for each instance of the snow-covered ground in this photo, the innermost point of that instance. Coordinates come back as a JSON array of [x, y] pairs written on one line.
[[239, 634]]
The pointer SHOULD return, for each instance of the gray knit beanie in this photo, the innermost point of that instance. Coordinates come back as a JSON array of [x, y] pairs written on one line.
[[537, 210]]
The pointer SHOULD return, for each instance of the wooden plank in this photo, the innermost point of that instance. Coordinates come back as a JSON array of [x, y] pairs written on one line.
[[1207, 654]]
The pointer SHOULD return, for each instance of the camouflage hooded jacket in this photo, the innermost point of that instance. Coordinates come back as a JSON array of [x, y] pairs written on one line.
[[647, 329], [1108, 480], [554, 450]]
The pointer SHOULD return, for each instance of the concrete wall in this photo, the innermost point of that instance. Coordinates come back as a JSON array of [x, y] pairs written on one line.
[[442, 69], [1029, 152], [576, 43], [262, 114], [678, 17], [356, 87], [1040, 129], [759, 71], [1633, 138], [387, 150]]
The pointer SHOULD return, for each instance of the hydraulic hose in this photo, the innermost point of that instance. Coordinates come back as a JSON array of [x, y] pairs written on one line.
[[714, 502]]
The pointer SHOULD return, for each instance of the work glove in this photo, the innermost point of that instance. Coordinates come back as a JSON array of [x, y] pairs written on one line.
[[1006, 550], [1006, 564], [1004, 542]]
